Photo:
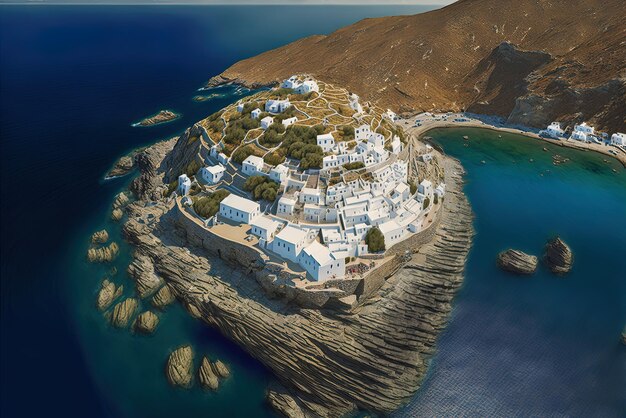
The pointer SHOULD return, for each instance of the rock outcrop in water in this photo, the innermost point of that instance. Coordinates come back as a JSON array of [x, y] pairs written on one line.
[[163, 297], [107, 294], [179, 369], [559, 257], [372, 357], [161, 117], [117, 214], [104, 254], [121, 200], [146, 322], [207, 376], [516, 261], [146, 280], [100, 237], [123, 312]]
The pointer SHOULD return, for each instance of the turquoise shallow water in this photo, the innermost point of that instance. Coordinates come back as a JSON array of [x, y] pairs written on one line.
[[540, 345]]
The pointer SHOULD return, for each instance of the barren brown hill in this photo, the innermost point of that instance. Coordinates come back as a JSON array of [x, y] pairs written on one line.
[[532, 61]]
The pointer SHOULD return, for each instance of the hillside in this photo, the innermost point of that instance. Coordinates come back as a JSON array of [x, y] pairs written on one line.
[[532, 61]]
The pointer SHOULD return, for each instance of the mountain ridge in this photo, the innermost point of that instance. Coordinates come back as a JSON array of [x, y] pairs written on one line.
[[445, 59]]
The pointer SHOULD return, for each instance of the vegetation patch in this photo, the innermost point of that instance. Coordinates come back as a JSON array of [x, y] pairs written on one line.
[[375, 240], [261, 187], [354, 166], [208, 206]]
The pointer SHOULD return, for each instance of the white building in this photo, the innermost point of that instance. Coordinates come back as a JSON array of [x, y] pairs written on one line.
[[376, 139], [286, 205], [425, 188], [392, 231], [239, 209], [289, 242], [212, 174], [277, 106], [618, 139], [289, 121], [440, 191], [326, 142], [307, 87], [255, 113], [362, 132], [264, 228], [291, 83], [320, 263], [396, 145], [184, 184], [266, 122], [308, 195], [555, 131], [222, 158], [240, 107], [582, 132], [279, 173], [253, 165]]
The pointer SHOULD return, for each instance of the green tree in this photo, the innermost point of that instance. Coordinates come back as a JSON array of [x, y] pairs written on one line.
[[207, 206], [426, 203], [375, 240]]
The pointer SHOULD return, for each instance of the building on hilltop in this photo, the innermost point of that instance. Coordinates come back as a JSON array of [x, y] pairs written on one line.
[[264, 228], [266, 122], [307, 87], [320, 263], [289, 242], [255, 113], [212, 174], [277, 106], [239, 209], [253, 166]]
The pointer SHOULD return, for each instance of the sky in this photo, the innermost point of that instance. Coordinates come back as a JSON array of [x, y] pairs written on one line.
[[273, 2]]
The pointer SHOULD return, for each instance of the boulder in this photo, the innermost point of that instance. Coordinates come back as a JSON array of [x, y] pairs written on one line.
[[220, 369], [123, 312], [104, 254], [120, 200], [146, 322], [163, 297], [207, 376], [179, 367], [558, 257], [117, 214], [100, 237], [146, 280], [517, 261], [107, 294]]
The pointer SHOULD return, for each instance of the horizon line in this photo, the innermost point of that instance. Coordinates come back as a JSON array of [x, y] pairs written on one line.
[[231, 3]]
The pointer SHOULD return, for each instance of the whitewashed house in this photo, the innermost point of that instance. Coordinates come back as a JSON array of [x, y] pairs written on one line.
[[184, 184], [376, 139], [253, 166], [289, 242], [330, 161], [555, 131], [307, 87], [396, 145], [212, 174], [618, 139], [425, 188], [222, 158], [255, 113], [279, 173], [277, 106], [320, 263], [286, 205], [440, 191], [239, 209], [326, 142], [289, 121], [362, 132], [266, 122], [264, 228], [309, 195], [582, 132], [392, 231], [291, 83], [240, 107]]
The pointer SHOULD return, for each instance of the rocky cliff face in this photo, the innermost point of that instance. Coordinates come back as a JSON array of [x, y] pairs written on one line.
[[531, 61], [372, 358]]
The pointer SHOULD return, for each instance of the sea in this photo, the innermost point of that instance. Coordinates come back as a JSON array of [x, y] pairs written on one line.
[[72, 81]]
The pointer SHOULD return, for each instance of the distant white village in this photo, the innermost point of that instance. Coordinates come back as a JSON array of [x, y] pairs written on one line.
[[584, 133], [321, 219]]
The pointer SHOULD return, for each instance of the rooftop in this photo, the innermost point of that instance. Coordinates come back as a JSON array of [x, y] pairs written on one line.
[[320, 253], [241, 203], [291, 235], [265, 223]]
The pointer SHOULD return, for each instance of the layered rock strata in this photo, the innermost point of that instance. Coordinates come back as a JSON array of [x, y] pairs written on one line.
[[179, 367], [518, 262], [559, 257]]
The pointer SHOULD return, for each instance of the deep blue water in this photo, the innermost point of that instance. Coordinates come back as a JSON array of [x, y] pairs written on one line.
[[72, 80]]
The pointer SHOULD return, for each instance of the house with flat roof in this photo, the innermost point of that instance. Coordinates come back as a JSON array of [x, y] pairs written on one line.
[[326, 142], [255, 113], [320, 263], [266, 122], [239, 209], [252, 166], [289, 242], [307, 87], [184, 184], [289, 121], [264, 228], [286, 205], [279, 173], [392, 231], [212, 174]]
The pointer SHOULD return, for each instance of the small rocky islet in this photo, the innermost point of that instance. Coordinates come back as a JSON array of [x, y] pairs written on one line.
[[558, 256], [162, 117], [518, 262]]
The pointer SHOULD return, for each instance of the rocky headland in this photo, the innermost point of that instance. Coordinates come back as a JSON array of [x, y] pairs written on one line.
[[162, 117], [559, 257], [518, 262], [371, 355]]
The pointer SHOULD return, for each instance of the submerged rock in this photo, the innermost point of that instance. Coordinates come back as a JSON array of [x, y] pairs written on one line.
[[163, 297], [207, 376], [220, 369], [100, 237], [104, 254], [179, 367], [559, 257], [146, 322], [517, 261], [123, 312], [107, 294], [117, 214]]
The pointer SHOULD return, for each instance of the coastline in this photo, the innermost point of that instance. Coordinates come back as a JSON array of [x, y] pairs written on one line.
[[430, 125], [371, 358]]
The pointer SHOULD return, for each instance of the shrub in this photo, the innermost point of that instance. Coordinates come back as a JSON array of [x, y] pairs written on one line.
[[348, 132], [281, 93], [192, 168], [436, 199], [261, 188], [375, 240], [354, 166], [208, 206], [274, 158], [170, 188], [426, 202], [412, 186]]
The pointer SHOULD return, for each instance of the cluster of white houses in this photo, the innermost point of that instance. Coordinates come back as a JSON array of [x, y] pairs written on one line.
[[584, 133], [321, 224]]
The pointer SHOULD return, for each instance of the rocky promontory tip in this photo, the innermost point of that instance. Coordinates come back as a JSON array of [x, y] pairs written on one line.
[[559, 257], [518, 262], [146, 322], [161, 117], [107, 294], [179, 367], [123, 312]]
